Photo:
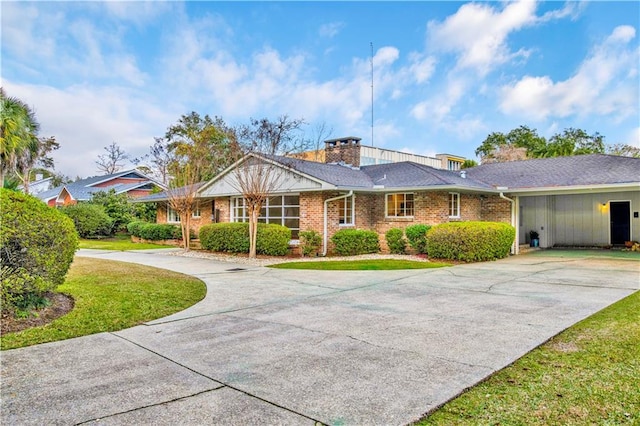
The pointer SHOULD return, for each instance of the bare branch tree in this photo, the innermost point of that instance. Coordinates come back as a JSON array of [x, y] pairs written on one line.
[[258, 176], [112, 161]]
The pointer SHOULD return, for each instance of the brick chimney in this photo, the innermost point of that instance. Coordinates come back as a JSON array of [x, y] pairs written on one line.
[[343, 150]]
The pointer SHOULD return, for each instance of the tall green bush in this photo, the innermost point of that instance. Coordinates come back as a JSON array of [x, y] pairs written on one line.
[[89, 219], [470, 241], [117, 206], [417, 236], [37, 244], [350, 242], [273, 240], [395, 241]]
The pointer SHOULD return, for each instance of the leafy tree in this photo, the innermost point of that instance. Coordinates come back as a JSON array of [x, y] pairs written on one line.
[[28, 159], [623, 150], [112, 161], [198, 149], [258, 177], [523, 142], [159, 160], [467, 164], [116, 206], [18, 134]]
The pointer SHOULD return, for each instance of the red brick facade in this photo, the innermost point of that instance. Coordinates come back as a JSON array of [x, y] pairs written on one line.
[[430, 208]]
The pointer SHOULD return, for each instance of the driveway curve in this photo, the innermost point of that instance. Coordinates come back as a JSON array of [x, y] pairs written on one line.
[[272, 346]]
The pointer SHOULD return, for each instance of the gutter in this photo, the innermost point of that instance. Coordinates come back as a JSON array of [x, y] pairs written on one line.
[[326, 205], [514, 246]]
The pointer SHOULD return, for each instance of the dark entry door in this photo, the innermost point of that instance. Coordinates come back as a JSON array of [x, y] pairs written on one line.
[[620, 217]]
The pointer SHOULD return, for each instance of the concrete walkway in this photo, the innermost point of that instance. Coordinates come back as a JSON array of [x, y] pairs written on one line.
[[270, 346]]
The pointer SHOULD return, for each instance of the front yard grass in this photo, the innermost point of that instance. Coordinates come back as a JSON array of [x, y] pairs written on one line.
[[111, 296], [118, 242], [589, 374], [360, 265]]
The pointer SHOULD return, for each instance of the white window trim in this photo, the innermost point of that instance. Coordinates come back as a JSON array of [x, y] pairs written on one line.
[[457, 196], [169, 215], [196, 214], [386, 205], [234, 218], [352, 219]]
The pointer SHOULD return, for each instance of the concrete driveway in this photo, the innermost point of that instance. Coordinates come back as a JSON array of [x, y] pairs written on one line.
[[270, 346]]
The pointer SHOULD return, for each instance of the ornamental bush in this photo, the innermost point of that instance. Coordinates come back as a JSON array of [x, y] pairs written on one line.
[[417, 236], [37, 244], [90, 220], [470, 241], [395, 241], [273, 240], [310, 242], [350, 242], [156, 231]]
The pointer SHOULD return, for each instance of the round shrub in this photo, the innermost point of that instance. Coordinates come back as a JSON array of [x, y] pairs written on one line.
[[90, 220], [470, 241], [133, 228], [350, 242], [395, 241], [272, 239], [417, 236], [159, 231], [37, 244]]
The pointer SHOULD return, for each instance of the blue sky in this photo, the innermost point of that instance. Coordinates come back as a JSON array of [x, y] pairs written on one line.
[[446, 74]]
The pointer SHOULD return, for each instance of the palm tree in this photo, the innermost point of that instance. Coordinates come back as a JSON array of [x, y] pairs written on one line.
[[18, 133]]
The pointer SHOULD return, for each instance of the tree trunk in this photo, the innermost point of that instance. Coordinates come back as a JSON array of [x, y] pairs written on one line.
[[185, 225], [253, 230]]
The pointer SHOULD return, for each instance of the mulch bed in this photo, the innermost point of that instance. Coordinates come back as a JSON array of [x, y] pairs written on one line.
[[60, 305]]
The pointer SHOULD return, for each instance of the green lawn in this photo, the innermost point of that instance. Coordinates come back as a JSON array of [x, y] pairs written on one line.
[[119, 242], [110, 296], [602, 253], [360, 265], [589, 374]]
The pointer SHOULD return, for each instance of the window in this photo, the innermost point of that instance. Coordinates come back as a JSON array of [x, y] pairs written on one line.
[[400, 205], [454, 204], [453, 165], [196, 212], [280, 209], [346, 211], [172, 215]]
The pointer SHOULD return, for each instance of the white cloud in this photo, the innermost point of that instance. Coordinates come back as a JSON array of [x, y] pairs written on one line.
[[478, 33], [604, 84], [331, 29], [84, 119], [633, 138]]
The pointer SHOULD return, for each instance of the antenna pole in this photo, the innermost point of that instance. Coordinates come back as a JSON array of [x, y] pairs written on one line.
[[371, 43]]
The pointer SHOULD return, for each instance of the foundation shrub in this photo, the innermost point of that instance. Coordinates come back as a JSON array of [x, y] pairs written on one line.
[[417, 236], [273, 240], [133, 228], [310, 243], [37, 244], [395, 241], [90, 220], [350, 242], [470, 241]]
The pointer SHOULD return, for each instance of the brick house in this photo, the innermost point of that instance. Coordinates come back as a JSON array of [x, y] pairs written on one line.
[[547, 195], [133, 182]]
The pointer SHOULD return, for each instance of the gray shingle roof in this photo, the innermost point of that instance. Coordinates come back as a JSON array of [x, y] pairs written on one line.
[[594, 169], [408, 174]]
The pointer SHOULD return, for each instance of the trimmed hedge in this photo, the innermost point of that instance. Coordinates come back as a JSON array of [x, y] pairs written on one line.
[[90, 220], [470, 241], [350, 242], [154, 231], [37, 244], [273, 240], [395, 241], [417, 236]]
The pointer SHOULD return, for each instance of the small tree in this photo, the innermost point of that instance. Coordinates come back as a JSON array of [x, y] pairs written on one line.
[[259, 175], [112, 161]]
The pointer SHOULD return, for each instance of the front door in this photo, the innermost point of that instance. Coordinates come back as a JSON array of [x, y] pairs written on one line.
[[620, 219]]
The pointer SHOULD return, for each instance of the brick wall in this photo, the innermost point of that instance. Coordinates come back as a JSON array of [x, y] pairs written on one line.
[[496, 209]]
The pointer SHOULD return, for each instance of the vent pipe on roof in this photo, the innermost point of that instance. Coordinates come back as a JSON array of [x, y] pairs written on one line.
[[463, 174]]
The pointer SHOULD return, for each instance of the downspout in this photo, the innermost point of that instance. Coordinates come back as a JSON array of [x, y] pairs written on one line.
[[326, 206], [514, 246]]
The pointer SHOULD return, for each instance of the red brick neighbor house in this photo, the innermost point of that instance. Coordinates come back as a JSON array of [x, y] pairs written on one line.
[[131, 182], [590, 200]]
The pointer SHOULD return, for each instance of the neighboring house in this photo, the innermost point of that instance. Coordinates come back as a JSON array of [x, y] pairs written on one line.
[[39, 185], [131, 182], [590, 200]]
